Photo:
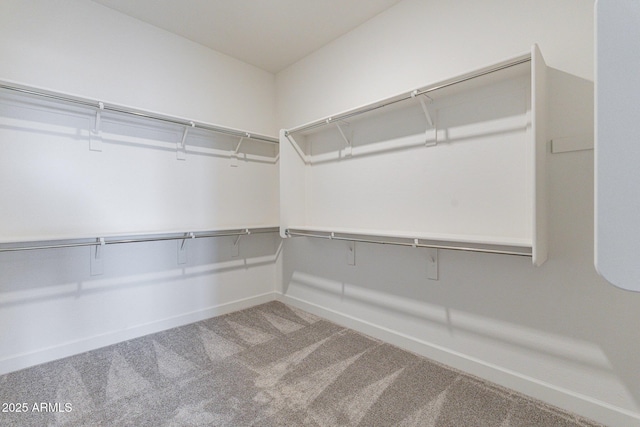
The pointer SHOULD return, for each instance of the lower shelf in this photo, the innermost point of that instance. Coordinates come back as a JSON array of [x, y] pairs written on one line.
[[418, 240]]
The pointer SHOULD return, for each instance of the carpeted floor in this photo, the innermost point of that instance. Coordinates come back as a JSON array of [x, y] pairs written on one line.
[[270, 365]]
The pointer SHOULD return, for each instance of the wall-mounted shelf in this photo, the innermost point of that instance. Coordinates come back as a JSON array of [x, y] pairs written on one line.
[[98, 243], [457, 164], [116, 239], [71, 166], [404, 238], [100, 106]]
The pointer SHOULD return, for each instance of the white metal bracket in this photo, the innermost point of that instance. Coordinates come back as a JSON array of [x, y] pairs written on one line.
[[351, 252], [295, 145], [430, 132], [96, 257], [235, 250], [95, 135], [432, 263], [181, 149], [234, 154], [346, 136], [182, 248]]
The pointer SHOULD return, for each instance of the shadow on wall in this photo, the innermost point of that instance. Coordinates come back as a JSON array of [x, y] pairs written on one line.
[[560, 323], [45, 275]]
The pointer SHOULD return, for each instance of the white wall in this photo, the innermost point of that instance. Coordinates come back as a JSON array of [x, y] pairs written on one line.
[[50, 304], [558, 332], [84, 48]]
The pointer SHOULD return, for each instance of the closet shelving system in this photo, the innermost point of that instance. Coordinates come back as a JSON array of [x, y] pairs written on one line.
[[457, 164], [41, 116]]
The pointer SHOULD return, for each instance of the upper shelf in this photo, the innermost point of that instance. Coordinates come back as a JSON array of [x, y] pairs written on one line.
[[121, 109], [509, 68], [73, 168], [461, 161]]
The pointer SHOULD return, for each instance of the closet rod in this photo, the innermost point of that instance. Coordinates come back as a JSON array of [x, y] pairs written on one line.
[[412, 94], [138, 113], [183, 236], [412, 244]]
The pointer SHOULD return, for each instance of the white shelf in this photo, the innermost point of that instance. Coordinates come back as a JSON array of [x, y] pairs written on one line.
[[51, 242], [73, 168], [408, 238], [460, 161]]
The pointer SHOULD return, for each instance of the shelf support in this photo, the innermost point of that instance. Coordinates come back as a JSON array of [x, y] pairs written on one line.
[[432, 263], [351, 252], [96, 263], [295, 145], [181, 149], [430, 132], [182, 248], [235, 250], [348, 149], [95, 135], [234, 154]]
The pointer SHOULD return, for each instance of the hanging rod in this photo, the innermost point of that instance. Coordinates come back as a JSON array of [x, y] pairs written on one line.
[[408, 96], [416, 243], [183, 236], [137, 113]]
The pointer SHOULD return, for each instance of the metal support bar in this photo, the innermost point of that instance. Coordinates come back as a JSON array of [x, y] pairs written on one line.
[[99, 242], [234, 155], [425, 109], [96, 127], [416, 243], [190, 235], [432, 264], [239, 144], [181, 151], [182, 248], [235, 250], [348, 148], [96, 262], [351, 252], [295, 145], [430, 134], [95, 137], [137, 113]]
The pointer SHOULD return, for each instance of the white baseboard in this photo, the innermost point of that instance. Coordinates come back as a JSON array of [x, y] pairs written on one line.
[[568, 400], [26, 360]]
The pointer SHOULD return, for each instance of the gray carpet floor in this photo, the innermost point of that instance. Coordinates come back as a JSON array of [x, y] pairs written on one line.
[[270, 365]]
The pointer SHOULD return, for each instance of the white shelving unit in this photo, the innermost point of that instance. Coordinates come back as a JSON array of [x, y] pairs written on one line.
[[81, 172], [457, 164]]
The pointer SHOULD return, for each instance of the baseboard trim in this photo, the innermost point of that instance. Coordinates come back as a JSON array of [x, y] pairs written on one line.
[[568, 400], [26, 360]]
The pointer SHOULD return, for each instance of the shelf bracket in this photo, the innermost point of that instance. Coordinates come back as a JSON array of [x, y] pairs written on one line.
[[351, 252], [181, 149], [430, 133], [295, 145], [432, 263], [235, 250], [234, 154], [96, 263], [95, 137], [347, 138], [182, 248]]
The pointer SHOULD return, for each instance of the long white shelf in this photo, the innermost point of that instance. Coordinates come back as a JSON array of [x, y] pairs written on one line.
[[486, 244], [54, 242], [98, 105], [455, 164]]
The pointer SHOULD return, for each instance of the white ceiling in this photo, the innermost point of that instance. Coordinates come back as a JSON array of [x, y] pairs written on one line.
[[271, 34]]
